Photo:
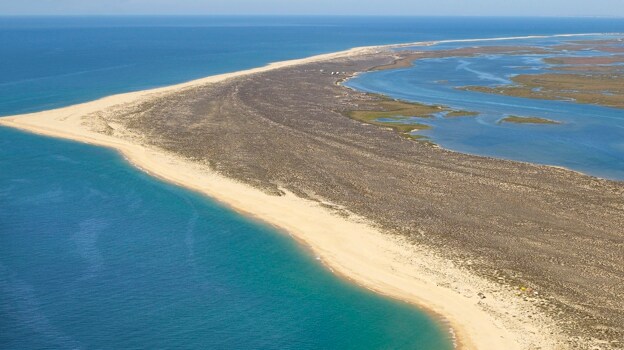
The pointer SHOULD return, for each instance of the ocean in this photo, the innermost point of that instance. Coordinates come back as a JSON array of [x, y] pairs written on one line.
[[96, 254]]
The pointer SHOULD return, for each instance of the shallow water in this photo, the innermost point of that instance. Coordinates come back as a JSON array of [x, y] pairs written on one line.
[[590, 138], [95, 254]]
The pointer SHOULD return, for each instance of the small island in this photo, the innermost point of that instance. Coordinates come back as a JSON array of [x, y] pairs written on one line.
[[461, 113], [399, 115], [527, 120], [395, 114]]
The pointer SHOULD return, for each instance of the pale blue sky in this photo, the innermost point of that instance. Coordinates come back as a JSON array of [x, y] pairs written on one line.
[[319, 7]]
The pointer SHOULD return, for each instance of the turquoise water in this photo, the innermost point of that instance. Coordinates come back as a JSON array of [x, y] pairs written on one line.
[[590, 138], [95, 254]]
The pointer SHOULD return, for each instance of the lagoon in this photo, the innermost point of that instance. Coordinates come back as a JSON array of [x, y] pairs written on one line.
[[588, 138]]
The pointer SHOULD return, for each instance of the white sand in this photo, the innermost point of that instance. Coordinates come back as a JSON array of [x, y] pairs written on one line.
[[350, 247]]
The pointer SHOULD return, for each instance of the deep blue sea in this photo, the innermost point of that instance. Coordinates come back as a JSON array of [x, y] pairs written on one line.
[[95, 254]]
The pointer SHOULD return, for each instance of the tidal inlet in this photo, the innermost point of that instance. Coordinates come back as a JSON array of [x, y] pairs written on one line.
[[310, 182]]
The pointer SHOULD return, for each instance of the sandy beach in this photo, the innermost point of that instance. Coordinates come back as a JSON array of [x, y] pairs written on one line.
[[481, 314], [351, 248]]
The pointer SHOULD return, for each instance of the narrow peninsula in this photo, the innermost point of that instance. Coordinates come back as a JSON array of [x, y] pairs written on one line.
[[492, 246]]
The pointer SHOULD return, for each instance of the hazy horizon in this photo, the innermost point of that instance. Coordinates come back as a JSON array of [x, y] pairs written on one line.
[[446, 8], [293, 15]]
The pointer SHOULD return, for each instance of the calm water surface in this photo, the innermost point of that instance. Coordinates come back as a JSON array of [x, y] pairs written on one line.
[[590, 138], [95, 254]]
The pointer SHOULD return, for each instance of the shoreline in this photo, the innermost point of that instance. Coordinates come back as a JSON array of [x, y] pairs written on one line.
[[353, 249], [307, 222]]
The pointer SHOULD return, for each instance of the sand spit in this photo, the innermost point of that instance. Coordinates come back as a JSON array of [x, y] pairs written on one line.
[[482, 314]]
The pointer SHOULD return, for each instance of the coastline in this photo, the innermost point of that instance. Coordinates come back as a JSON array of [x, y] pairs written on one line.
[[351, 248]]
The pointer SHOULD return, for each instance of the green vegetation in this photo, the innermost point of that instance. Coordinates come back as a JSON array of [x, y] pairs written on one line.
[[590, 87], [461, 113], [590, 60], [397, 114], [395, 109], [553, 60], [528, 120], [407, 127]]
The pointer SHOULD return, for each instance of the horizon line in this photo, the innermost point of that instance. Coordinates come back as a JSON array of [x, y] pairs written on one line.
[[301, 15]]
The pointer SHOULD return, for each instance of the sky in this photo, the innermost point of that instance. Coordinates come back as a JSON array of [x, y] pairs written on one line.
[[609, 8]]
